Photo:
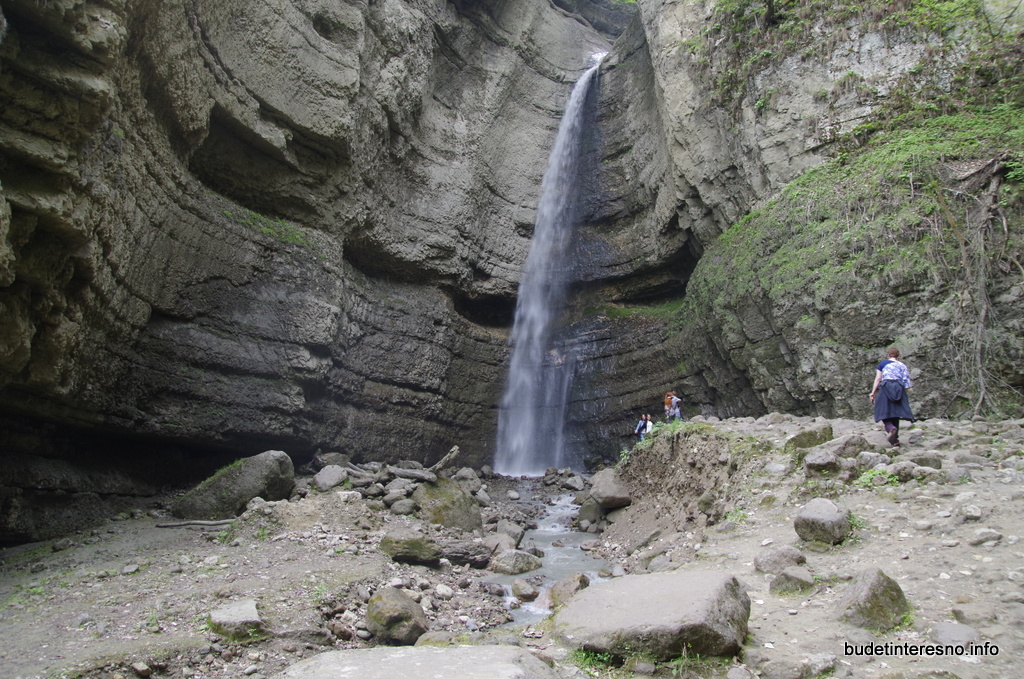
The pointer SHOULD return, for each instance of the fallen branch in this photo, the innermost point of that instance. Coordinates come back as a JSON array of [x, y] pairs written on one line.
[[446, 460]]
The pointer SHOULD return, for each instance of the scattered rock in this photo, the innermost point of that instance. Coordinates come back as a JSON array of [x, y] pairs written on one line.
[[792, 579], [821, 520], [660, 612], [329, 477], [523, 590], [567, 588], [448, 504], [874, 601], [393, 617], [409, 546], [608, 490], [777, 558], [238, 621], [514, 562]]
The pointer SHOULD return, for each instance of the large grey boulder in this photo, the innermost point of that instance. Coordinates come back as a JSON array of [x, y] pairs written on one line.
[[423, 662], [661, 613], [394, 617], [467, 553], [514, 562], [447, 503], [330, 476], [822, 520], [224, 495], [873, 601], [513, 530], [409, 546], [608, 490]]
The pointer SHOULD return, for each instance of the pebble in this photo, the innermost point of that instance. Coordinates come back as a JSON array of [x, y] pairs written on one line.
[[984, 535], [250, 670]]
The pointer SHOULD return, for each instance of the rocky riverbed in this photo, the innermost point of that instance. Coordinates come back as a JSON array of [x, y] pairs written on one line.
[[940, 519]]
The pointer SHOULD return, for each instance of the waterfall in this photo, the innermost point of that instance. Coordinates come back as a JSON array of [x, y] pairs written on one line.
[[532, 412]]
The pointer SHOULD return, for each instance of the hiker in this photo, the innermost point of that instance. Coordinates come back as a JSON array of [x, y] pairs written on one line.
[[672, 406], [641, 428], [892, 379]]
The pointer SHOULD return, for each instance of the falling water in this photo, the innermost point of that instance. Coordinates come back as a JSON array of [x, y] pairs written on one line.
[[532, 413]]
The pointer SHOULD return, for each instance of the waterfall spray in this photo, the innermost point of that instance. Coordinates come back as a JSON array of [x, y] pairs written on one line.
[[532, 412]]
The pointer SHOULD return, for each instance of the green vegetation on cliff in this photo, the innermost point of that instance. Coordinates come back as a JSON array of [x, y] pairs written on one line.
[[925, 198]]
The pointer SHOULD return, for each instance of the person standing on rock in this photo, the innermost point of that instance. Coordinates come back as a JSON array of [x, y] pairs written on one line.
[[892, 379], [650, 424]]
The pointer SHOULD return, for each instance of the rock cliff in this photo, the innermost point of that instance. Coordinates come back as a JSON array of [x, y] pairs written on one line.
[[234, 226]]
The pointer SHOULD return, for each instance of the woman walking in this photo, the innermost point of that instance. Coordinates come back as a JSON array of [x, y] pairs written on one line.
[[892, 379]]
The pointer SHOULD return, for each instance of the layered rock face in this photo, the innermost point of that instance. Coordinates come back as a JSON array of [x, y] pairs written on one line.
[[698, 128], [247, 225], [234, 226]]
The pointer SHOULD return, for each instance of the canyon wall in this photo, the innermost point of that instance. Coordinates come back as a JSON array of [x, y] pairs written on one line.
[[241, 225]]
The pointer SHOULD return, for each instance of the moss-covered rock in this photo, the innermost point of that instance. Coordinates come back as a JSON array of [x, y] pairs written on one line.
[[447, 503]]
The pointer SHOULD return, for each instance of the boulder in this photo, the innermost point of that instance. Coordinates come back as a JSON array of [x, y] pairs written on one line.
[[330, 476], [410, 546], [421, 662], [932, 460], [792, 579], [497, 543], [590, 511], [873, 601], [567, 588], [513, 530], [777, 558], [467, 553], [514, 562], [447, 503], [237, 621], [574, 483], [808, 438], [821, 462], [822, 520], [224, 495], [850, 445], [404, 507], [663, 613], [393, 617], [468, 479], [608, 490], [523, 590], [869, 460]]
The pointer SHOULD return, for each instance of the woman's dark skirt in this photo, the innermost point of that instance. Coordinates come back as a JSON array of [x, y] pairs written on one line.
[[891, 402]]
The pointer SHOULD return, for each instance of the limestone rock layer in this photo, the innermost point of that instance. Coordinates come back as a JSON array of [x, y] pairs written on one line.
[[232, 226]]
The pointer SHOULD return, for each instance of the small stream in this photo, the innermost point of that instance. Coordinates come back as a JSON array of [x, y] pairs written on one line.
[[559, 561]]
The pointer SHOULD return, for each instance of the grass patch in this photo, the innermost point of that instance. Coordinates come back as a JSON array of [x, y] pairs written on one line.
[[867, 479]]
